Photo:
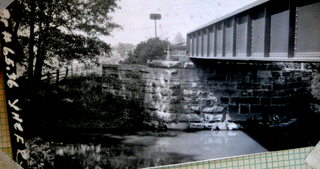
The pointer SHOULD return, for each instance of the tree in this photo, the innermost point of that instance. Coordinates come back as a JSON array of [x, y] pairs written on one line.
[[66, 29], [123, 48], [153, 48], [179, 38]]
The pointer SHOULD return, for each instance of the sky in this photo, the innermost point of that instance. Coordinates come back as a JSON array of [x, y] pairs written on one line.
[[177, 16]]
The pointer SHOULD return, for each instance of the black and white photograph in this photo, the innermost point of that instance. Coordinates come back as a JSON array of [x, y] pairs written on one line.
[[126, 84]]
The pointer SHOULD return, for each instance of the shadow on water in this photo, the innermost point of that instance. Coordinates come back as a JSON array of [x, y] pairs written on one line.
[[118, 151], [148, 149], [296, 135]]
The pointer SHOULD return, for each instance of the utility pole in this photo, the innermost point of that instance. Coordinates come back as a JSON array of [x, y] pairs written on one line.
[[155, 17]]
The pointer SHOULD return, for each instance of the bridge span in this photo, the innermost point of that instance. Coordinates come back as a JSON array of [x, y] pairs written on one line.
[[266, 30]]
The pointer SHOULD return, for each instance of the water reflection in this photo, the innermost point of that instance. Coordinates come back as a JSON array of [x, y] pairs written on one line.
[[203, 144], [171, 147]]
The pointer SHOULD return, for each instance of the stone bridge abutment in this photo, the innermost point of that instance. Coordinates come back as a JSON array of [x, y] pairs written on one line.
[[178, 91]]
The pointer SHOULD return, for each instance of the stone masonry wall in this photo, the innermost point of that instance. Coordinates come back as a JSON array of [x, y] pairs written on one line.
[[170, 88]]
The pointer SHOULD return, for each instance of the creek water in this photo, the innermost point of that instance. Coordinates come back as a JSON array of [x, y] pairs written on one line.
[[199, 145], [174, 147]]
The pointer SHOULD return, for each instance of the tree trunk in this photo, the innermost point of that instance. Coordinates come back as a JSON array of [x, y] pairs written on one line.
[[39, 65], [41, 56], [39, 53], [31, 44]]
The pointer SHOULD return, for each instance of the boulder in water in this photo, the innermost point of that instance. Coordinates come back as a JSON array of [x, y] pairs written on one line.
[[232, 126]]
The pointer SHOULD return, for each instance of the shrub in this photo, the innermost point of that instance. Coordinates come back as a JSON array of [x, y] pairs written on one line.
[[40, 154], [152, 49]]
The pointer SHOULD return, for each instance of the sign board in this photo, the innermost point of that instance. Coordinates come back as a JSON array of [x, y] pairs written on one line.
[[155, 16]]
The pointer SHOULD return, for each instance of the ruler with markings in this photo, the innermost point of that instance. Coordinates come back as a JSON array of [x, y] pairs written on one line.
[[293, 158]]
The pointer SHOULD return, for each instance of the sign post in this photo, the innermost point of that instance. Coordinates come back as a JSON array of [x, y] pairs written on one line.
[[155, 17]]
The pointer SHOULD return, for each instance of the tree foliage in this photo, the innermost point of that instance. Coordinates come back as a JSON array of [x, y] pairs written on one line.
[[65, 29], [123, 48], [179, 38], [151, 49]]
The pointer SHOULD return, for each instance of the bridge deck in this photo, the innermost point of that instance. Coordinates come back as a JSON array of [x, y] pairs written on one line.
[[265, 30]]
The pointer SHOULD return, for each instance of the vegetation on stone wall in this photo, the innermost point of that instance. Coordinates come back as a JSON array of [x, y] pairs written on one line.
[[78, 103], [315, 90]]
